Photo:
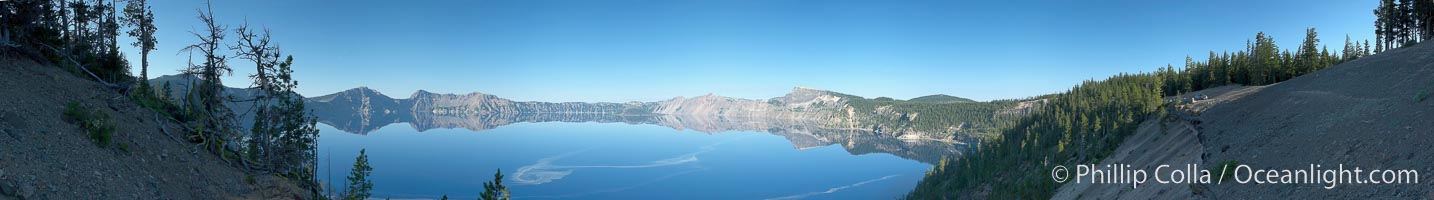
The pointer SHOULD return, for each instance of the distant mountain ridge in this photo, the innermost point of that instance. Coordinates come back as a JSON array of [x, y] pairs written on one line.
[[940, 98], [361, 109], [180, 84], [807, 117]]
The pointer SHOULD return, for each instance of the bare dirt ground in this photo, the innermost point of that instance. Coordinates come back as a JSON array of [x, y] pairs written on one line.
[[44, 157], [1157, 142], [1363, 113], [1170, 140]]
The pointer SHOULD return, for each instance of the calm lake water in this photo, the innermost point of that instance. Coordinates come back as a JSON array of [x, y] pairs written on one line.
[[590, 160]]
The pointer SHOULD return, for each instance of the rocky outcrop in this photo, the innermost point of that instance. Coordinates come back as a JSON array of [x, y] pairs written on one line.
[[479, 103], [359, 109], [819, 107]]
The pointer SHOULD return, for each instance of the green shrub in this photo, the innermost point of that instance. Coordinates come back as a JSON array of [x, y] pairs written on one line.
[[1226, 169], [360, 186], [74, 112], [95, 122], [155, 101], [1421, 95]]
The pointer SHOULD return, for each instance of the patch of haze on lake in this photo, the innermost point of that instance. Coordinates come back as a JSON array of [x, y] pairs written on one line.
[[835, 189], [545, 171]]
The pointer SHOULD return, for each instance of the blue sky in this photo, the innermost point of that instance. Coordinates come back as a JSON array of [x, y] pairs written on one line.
[[645, 50]]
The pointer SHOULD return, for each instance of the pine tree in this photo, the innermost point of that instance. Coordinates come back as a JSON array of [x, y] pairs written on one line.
[[1403, 23], [167, 92], [1265, 59], [1350, 49], [1423, 17], [1366, 49], [1405, 18], [1379, 45], [1309, 56], [138, 16], [1326, 59], [288, 132], [359, 186], [495, 190], [1382, 24]]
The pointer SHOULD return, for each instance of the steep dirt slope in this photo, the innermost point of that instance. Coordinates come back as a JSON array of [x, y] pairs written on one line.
[[1363, 113], [1156, 142], [1171, 139], [44, 157]]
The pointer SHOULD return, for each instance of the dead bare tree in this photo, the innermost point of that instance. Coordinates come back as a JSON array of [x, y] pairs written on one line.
[[213, 66], [254, 46]]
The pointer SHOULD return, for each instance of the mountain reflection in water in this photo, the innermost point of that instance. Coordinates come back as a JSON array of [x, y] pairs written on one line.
[[803, 134]]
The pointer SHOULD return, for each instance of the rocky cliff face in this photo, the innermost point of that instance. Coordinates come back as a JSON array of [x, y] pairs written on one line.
[[359, 109], [818, 107], [479, 103]]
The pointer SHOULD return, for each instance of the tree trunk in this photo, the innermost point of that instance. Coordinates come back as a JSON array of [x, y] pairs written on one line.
[[144, 64]]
